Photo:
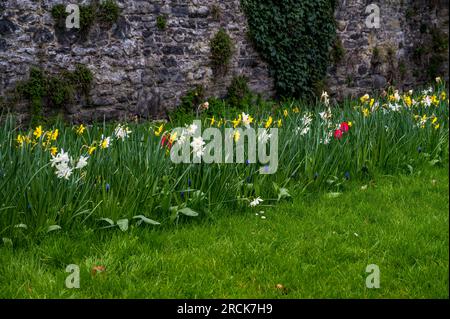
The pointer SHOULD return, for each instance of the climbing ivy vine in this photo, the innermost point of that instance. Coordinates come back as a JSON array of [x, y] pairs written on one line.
[[294, 37]]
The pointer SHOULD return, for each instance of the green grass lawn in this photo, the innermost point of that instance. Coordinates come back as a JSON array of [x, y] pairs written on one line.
[[315, 247]]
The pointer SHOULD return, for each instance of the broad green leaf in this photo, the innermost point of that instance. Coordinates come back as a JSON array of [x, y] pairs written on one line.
[[188, 212], [123, 224], [53, 228], [146, 220]]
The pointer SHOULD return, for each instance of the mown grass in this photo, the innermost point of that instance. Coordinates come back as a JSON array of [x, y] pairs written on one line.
[[315, 247]]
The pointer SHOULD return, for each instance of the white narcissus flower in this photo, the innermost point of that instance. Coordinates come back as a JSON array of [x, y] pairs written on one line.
[[106, 142], [306, 120], [427, 101], [325, 140], [324, 98], [82, 162], [264, 137], [395, 107], [197, 145], [122, 132], [191, 129], [183, 138], [61, 157], [326, 115], [303, 131], [63, 171], [204, 106], [256, 202], [246, 120]]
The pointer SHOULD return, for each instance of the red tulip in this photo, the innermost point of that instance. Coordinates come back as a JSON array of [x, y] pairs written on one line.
[[338, 134], [344, 127], [164, 141]]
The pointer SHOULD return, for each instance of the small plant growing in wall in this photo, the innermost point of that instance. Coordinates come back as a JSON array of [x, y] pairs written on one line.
[[238, 91], [87, 18], [81, 79], [59, 15], [108, 12], [53, 91], [221, 51], [216, 12], [337, 51], [161, 22]]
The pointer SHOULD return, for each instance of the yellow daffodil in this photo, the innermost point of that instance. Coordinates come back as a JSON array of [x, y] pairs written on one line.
[[237, 121], [285, 113], [38, 132], [53, 150], [219, 124], [269, 122], [350, 124], [80, 129], [366, 112], [372, 101], [280, 123], [91, 149], [296, 110], [434, 100], [159, 130], [364, 98], [54, 135], [236, 136], [443, 96], [173, 137], [434, 120], [20, 139], [105, 143], [437, 126], [213, 120], [408, 100]]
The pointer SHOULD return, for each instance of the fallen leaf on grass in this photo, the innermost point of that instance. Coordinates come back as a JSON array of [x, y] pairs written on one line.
[[98, 269]]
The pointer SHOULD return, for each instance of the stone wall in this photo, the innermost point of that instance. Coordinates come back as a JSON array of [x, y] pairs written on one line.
[[401, 52], [142, 70], [138, 68]]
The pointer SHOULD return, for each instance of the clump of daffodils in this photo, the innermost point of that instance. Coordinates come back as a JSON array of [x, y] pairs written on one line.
[[65, 165], [122, 132], [325, 99]]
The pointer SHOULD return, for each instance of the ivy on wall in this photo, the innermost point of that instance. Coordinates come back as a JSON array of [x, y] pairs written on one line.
[[294, 37]]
